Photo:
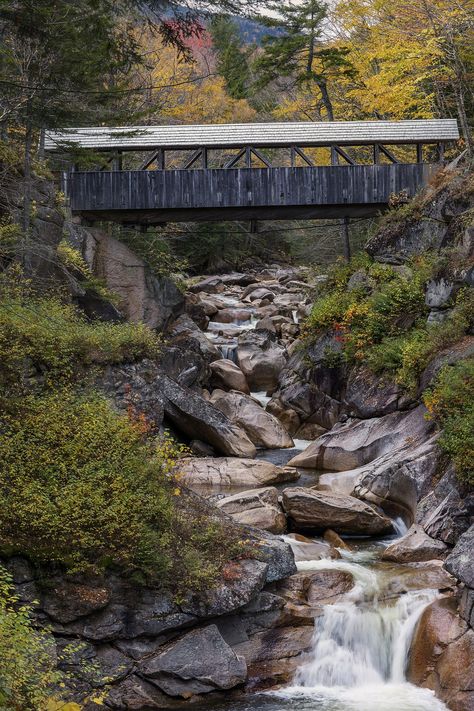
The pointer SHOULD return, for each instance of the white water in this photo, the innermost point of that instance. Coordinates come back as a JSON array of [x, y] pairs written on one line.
[[360, 646]]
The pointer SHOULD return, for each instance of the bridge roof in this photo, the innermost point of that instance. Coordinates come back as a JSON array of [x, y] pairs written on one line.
[[272, 135]]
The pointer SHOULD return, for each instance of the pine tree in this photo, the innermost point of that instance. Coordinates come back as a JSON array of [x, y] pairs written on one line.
[[298, 50], [232, 58]]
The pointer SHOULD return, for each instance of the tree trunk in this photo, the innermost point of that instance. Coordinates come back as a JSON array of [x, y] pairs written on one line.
[[27, 180], [325, 99]]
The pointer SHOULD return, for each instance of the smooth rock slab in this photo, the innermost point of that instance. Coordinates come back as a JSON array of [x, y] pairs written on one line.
[[228, 375], [414, 546], [262, 428], [312, 509], [231, 472], [257, 507], [360, 442]]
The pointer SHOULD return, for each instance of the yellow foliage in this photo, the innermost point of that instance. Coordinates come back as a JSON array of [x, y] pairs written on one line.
[[188, 92]]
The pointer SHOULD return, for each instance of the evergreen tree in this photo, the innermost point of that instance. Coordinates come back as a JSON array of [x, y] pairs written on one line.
[[232, 58], [297, 50]]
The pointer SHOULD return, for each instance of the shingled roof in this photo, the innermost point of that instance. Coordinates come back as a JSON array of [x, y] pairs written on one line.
[[273, 135]]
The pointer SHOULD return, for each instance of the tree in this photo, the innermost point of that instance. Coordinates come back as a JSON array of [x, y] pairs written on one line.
[[232, 59], [299, 51], [412, 59]]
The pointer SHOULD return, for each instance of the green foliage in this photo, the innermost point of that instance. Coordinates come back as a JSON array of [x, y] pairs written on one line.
[[83, 487], [297, 50], [155, 249], [374, 308], [28, 674], [42, 333], [232, 58], [451, 402], [381, 320], [73, 260]]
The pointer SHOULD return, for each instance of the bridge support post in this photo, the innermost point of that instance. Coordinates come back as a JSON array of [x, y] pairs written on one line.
[[346, 243]]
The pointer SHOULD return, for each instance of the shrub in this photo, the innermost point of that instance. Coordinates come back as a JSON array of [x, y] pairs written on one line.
[[55, 338], [82, 487], [451, 402], [28, 675]]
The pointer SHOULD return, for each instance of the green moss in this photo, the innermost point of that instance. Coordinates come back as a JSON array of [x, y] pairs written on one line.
[[451, 403]]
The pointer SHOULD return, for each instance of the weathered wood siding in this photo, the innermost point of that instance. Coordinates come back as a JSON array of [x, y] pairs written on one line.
[[152, 190]]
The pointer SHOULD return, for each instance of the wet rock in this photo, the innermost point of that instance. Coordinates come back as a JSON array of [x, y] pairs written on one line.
[[311, 509], [197, 663], [258, 508], [226, 374], [354, 444], [335, 540], [460, 562], [398, 480], [261, 359], [211, 285], [438, 627], [309, 431], [196, 311], [232, 315], [197, 418], [455, 670], [273, 655], [273, 551], [288, 418], [418, 576], [309, 549], [262, 428], [413, 546], [229, 472]]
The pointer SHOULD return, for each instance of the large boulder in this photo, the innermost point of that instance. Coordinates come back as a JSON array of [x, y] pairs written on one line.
[[261, 359], [369, 395], [198, 419], [354, 444], [262, 428], [232, 472], [442, 655], [318, 510], [145, 297], [187, 335], [227, 375], [198, 663], [460, 562], [446, 509], [415, 545], [257, 507]]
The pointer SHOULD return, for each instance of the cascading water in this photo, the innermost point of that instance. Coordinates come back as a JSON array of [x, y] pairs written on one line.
[[360, 647]]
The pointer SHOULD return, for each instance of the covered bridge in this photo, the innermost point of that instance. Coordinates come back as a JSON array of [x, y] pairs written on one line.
[[154, 174]]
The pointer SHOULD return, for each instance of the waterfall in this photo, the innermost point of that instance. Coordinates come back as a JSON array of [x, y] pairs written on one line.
[[360, 647], [229, 351]]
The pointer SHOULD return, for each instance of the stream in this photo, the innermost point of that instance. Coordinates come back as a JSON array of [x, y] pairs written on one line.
[[361, 642]]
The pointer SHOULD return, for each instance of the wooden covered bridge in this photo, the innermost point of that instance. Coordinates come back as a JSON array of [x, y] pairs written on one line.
[[304, 170]]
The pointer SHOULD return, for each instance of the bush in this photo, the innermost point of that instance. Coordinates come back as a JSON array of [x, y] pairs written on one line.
[[451, 402], [42, 333], [371, 311], [28, 675], [82, 487]]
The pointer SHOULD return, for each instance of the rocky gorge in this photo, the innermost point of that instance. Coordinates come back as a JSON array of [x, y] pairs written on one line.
[[357, 590]]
